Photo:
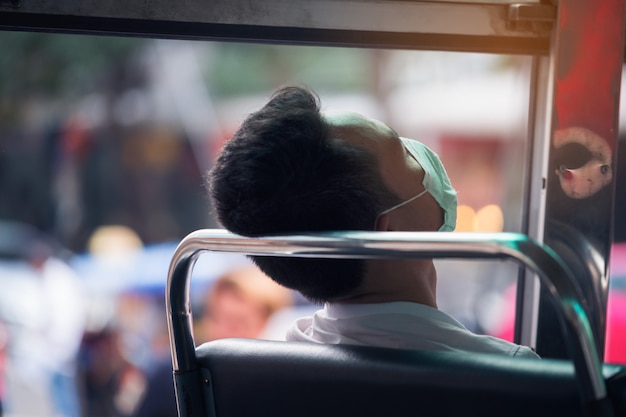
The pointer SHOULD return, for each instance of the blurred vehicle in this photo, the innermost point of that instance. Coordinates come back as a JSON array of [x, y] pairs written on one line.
[[615, 351]]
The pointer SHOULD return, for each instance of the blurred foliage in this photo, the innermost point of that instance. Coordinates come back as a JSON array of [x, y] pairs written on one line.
[[248, 68], [58, 65]]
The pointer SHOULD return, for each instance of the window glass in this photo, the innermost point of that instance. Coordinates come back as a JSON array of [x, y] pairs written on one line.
[[104, 143]]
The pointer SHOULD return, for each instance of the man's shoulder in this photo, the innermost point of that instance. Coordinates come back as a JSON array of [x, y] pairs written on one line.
[[398, 325]]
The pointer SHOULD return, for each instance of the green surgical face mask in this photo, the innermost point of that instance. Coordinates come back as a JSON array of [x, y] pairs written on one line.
[[436, 181]]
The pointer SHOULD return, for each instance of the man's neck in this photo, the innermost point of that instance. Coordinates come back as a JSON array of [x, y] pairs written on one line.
[[397, 280]]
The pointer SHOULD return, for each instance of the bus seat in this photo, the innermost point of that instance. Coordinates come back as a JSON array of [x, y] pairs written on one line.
[[244, 377]]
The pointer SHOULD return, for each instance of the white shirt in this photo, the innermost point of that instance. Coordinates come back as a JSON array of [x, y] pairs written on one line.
[[398, 325]]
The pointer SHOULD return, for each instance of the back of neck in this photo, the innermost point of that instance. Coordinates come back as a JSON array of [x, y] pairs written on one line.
[[397, 280]]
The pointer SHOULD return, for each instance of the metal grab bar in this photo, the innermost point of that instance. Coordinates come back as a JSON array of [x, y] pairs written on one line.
[[554, 275]]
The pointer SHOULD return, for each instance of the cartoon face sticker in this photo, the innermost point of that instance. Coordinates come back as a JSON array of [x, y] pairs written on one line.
[[589, 175]]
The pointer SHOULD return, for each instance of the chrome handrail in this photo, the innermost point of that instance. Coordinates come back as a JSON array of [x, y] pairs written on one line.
[[554, 275]]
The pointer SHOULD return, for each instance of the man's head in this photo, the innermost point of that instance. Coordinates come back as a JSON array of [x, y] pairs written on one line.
[[401, 165], [290, 168]]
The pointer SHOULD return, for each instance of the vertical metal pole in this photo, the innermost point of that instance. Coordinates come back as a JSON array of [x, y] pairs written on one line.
[[588, 53], [542, 86]]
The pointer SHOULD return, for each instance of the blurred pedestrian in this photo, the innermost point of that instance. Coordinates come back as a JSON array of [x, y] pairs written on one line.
[[239, 304], [42, 305]]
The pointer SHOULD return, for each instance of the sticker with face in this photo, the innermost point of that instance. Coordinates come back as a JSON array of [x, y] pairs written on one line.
[[589, 175]]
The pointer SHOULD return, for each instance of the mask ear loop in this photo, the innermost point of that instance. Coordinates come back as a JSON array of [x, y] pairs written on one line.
[[415, 197]]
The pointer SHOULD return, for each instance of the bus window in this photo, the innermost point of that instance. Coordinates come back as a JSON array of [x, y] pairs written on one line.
[[104, 143]]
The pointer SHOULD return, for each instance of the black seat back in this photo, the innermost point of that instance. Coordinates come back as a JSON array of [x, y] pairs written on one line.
[[243, 377]]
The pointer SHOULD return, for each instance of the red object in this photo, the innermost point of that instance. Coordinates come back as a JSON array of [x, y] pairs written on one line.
[[590, 62]]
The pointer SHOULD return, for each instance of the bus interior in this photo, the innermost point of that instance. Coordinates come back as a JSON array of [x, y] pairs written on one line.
[[111, 113]]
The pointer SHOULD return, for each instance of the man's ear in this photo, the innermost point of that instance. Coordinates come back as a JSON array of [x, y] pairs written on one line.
[[382, 223]]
